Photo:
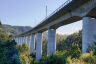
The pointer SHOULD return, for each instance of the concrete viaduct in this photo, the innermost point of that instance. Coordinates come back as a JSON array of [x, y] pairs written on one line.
[[69, 12]]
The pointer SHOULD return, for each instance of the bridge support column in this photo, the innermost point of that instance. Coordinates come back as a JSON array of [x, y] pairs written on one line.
[[88, 32], [29, 40], [51, 46], [26, 39], [21, 40], [32, 44], [39, 47], [17, 40]]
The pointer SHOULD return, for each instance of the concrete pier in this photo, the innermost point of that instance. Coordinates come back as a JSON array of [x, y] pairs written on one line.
[[17, 40], [32, 44], [29, 40], [51, 46], [21, 40], [88, 32], [26, 39], [39, 47]]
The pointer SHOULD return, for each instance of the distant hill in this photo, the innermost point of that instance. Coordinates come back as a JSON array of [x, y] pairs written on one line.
[[16, 30]]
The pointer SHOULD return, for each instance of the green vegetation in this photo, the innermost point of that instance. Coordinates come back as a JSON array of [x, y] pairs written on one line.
[[15, 30], [68, 50], [24, 52], [8, 50]]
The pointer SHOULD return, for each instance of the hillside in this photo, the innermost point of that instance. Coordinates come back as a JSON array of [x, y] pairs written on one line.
[[16, 30]]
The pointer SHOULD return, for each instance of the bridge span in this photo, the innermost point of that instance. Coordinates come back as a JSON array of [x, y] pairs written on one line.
[[69, 12]]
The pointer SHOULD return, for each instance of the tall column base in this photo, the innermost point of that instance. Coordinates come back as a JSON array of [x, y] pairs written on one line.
[[32, 44], [88, 32], [39, 47], [51, 47]]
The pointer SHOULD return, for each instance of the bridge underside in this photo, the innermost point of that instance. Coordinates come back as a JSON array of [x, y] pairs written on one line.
[[92, 13]]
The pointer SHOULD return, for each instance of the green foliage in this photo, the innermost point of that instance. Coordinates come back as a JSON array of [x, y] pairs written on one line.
[[75, 51], [58, 58], [87, 57], [69, 61], [44, 47], [3, 37], [54, 59], [8, 50], [24, 59], [63, 43], [92, 47], [76, 38], [9, 53], [63, 46], [24, 52], [15, 30], [11, 36], [24, 49], [30, 59], [33, 55]]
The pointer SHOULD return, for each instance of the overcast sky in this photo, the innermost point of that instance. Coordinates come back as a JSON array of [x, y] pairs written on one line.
[[31, 12]]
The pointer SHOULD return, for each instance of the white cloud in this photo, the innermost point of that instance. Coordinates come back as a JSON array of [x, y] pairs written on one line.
[[74, 27]]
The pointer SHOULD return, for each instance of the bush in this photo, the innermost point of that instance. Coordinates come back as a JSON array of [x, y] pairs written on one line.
[[24, 49], [69, 60], [24, 59], [54, 59], [9, 53], [87, 57], [75, 51]]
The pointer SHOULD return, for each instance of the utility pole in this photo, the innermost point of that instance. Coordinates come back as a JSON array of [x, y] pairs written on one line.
[[46, 11]]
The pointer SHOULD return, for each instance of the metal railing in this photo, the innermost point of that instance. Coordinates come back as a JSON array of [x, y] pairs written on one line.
[[63, 5]]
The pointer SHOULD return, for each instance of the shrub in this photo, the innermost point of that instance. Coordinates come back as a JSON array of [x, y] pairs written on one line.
[[9, 53], [87, 57], [69, 60], [24, 59], [75, 51], [54, 59]]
